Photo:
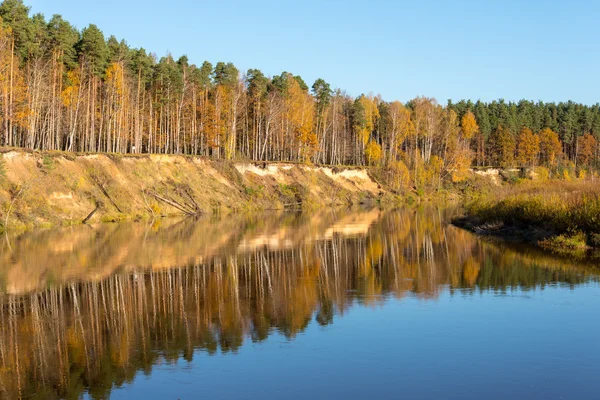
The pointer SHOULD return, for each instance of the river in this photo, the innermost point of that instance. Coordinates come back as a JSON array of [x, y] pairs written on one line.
[[331, 304]]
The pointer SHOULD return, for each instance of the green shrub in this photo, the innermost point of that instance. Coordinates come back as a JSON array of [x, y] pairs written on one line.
[[574, 243], [254, 191], [287, 190], [48, 162]]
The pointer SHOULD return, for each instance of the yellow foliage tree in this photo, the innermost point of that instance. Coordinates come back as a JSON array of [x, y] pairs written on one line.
[[366, 117], [528, 148], [469, 125], [301, 113], [373, 153], [400, 175], [114, 78], [457, 153], [550, 147], [503, 147], [587, 149], [461, 163], [401, 127], [71, 90], [433, 171]]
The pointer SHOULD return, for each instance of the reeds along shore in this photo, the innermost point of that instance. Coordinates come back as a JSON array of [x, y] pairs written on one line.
[[562, 216]]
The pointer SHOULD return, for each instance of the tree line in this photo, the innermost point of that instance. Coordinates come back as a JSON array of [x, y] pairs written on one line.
[[71, 90]]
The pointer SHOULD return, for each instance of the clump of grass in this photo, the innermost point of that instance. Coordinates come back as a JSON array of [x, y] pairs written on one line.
[[287, 190], [254, 191], [48, 162], [113, 217], [574, 241]]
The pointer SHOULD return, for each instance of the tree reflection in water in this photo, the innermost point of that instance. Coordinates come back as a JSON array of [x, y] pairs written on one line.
[[85, 309]]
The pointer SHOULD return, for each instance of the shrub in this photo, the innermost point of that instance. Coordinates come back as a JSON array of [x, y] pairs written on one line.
[[569, 243], [48, 162], [542, 173]]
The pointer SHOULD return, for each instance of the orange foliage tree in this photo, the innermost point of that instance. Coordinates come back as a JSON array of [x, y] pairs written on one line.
[[528, 148], [550, 147], [587, 150]]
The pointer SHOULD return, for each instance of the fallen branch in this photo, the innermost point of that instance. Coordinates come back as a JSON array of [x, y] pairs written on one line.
[[184, 208], [90, 215], [109, 198], [101, 182], [188, 194]]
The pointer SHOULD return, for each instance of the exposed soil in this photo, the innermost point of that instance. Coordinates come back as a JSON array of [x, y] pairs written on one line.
[[54, 188]]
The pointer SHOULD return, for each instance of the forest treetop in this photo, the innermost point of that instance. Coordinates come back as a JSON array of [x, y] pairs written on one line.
[[65, 89]]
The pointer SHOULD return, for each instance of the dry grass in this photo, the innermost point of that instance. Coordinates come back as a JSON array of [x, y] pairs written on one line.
[[565, 210]]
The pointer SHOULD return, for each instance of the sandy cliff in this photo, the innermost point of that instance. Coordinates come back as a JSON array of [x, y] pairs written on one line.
[[38, 189]]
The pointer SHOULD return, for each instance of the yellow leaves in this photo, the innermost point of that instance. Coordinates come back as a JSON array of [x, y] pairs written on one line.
[[460, 170], [550, 147], [222, 109], [211, 122], [503, 147], [402, 124], [436, 164], [115, 78], [469, 125], [401, 175], [427, 115], [528, 147], [587, 149], [433, 170], [310, 144], [373, 153], [300, 107], [542, 173], [428, 174], [70, 93], [369, 118]]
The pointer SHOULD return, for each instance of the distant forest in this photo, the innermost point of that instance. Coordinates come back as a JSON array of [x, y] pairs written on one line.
[[65, 89]]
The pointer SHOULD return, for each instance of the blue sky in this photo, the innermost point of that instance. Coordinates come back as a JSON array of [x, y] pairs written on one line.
[[538, 50]]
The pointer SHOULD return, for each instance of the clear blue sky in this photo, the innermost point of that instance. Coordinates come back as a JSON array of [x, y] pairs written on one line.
[[487, 49]]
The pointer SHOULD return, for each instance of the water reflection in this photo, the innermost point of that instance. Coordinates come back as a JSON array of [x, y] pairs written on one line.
[[85, 309]]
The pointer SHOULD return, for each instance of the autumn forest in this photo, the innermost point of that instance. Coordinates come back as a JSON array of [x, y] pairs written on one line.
[[70, 90]]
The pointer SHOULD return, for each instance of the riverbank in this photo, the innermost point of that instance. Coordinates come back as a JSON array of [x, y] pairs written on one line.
[[42, 189], [557, 215]]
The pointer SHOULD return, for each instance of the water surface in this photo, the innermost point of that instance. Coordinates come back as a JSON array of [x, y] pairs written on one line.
[[355, 304]]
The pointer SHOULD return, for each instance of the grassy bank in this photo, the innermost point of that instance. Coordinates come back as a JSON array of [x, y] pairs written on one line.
[[561, 216]]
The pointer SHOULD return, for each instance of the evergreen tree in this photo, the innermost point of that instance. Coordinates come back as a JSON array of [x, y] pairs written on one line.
[[93, 50]]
